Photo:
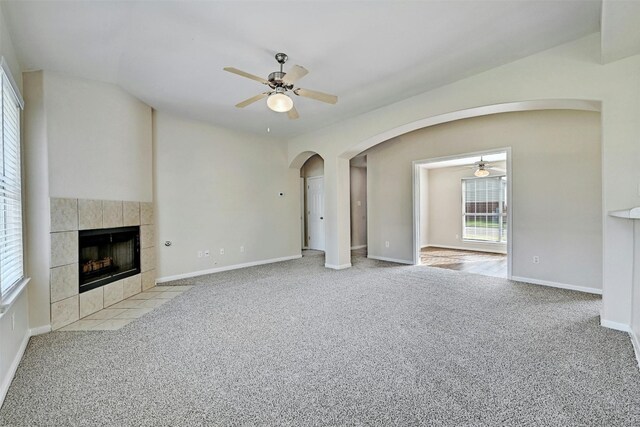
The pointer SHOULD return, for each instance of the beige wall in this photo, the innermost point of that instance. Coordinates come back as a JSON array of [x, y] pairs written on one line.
[[217, 188], [314, 166], [444, 194], [99, 140], [557, 211], [358, 182]]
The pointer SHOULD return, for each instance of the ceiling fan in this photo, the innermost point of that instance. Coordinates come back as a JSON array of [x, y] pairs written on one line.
[[483, 168], [280, 83]]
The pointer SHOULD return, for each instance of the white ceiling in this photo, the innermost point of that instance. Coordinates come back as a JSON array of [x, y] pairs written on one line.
[[170, 54]]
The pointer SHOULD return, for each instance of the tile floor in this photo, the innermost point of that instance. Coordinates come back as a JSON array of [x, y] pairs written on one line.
[[126, 311]]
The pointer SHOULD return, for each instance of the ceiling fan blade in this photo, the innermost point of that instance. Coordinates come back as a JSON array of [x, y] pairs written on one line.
[[252, 100], [497, 169], [293, 113], [245, 74], [296, 73], [318, 96]]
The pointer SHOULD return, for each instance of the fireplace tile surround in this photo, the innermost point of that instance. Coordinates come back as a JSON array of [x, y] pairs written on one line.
[[68, 216]]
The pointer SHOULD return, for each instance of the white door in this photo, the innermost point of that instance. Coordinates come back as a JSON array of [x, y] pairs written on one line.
[[315, 213]]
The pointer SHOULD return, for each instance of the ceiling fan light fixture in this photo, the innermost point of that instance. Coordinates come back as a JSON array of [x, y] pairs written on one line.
[[481, 172], [279, 102]]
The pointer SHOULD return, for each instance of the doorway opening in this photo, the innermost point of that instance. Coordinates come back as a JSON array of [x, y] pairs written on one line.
[[312, 205], [462, 212], [358, 204]]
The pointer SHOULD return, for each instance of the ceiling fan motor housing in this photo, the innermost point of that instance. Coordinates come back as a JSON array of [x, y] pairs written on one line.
[[275, 80]]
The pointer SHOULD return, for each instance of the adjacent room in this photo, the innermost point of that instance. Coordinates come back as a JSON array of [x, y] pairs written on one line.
[[319, 213], [463, 218]]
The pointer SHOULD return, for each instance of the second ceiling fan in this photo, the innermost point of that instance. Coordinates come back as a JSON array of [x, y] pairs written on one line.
[[280, 83]]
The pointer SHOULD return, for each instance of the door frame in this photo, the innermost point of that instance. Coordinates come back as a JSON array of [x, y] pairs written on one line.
[[415, 165]]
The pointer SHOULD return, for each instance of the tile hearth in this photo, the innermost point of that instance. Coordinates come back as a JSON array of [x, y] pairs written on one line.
[[126, 311]]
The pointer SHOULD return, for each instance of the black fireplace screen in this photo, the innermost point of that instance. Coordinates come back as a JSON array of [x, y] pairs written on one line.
[[107, 255]]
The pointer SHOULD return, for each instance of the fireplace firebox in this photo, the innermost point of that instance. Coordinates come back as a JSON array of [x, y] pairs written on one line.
[[108, 255]]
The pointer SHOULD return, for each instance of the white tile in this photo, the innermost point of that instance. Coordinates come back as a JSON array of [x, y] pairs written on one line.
[[131, 286], [147, 259], [129, 303], [111, 214], [91, 301], [113, 293], [144, 295], [146, 236], [131, 213], [64, 312], [64, 248], [146, 213], [104, 314], [133, 313], [148, 280], [89, 214], [64, 214], [64, 282]]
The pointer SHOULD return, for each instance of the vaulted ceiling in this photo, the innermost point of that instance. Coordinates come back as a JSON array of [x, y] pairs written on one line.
[[171, 54]]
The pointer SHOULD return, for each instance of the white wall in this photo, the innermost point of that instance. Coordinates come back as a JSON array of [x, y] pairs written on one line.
[[358, 183], [557, 211], [11, 338], [444, 194], [217, 188], [99, 140]]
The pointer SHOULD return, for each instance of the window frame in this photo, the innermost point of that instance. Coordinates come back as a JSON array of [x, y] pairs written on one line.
[[10, 293], [502, 215]]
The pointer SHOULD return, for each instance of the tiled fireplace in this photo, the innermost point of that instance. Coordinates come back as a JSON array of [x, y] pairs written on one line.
[[105, 268]]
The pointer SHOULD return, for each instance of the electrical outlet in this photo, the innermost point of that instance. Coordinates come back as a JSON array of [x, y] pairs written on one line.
[[206, 253], [199, 254], [241, 248], [386, 244], [536, 259], [221, 251], [457, 236]]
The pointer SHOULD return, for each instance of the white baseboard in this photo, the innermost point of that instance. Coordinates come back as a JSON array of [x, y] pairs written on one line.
[[338, 267], [398, 261], [6, 381], [225, 268], [463, 248], [615, 325], [558, 285], [358, 247], [40, 330]]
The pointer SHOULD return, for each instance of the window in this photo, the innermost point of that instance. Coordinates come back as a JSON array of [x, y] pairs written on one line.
[[11, 256], [484, 209]]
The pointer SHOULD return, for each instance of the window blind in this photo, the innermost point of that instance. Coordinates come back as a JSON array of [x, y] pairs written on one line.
[[484, 209], [11, 255]]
